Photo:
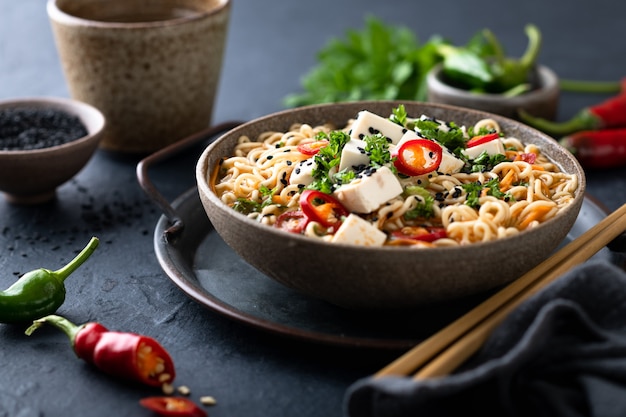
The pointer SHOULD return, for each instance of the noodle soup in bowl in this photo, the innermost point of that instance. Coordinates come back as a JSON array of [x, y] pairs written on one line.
[[370, 245]]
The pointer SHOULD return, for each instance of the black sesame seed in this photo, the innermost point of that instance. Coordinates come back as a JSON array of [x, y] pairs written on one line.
[[289, 163], [270, 157], [34, 128]]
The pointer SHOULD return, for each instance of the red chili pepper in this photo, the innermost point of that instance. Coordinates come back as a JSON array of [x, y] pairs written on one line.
[[323, 208], [479, 140], [312, 148], [417, 157], [610, 113], [527, 157], [423, 234], [598, 148], [125, 355], [173, 407], [292, 221]]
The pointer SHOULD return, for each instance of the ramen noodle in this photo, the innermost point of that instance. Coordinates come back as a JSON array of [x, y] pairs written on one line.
[[484, 185]]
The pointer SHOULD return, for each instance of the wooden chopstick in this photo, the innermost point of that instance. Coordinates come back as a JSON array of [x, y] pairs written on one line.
[[471, 330]]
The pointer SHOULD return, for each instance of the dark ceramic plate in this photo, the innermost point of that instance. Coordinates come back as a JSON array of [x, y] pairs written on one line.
[[206, 269]]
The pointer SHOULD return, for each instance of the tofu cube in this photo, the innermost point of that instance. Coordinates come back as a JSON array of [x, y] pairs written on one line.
[[493, 147], [368, 124], [450, 164], [368, 192], [358, 231], [303, 172], [353, 154]]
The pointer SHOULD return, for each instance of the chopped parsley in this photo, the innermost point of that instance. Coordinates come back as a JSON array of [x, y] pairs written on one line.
[[475, 189], [483, 163], [377, 149], [327, 158], [424, 207], [344, 177], [453, 138], [246, 206], [399, 116]]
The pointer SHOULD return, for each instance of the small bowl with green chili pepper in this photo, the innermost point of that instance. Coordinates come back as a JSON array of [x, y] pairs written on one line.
[[44, 142], [482, 77], [541, 99]]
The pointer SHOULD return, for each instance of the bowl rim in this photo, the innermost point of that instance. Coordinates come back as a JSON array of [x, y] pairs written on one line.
[[549, 82], [57, 13], [202, 180], [74, 107]]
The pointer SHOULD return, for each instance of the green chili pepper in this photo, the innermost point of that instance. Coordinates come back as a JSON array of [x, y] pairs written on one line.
[[483, 67], [40, 292]]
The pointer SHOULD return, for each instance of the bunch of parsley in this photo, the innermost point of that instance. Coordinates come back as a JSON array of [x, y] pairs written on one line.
[[381, 62], [386, 62]]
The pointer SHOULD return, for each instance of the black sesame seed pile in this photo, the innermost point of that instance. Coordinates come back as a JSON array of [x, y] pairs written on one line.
[[34, 128]]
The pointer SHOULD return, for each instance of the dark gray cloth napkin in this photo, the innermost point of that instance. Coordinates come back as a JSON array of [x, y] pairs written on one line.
[[561, 353]]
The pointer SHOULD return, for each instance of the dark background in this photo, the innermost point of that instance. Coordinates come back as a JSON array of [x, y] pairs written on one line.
[[271, 44]]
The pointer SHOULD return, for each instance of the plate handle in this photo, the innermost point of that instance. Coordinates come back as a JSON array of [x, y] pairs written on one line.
[[177, 147]]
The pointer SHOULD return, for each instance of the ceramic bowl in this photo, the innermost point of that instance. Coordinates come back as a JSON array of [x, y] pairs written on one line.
[[369, 278], [543, 101], [32, 176]]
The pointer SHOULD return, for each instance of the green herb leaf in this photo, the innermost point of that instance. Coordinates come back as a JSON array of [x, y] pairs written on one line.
[[484, 162], [246, 206], [424, 208], [327, 158], [377, 148], [475, 189], [379, 62], [452, 138]]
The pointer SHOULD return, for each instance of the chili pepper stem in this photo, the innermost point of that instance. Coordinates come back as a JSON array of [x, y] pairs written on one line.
[[69, 328], [529, 58], [579, 122], [64, 272], [598, 87]]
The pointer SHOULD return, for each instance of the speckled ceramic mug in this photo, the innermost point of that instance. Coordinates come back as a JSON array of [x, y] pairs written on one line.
[[151, 66]]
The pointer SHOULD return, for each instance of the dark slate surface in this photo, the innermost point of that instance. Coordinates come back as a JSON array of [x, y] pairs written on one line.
[[250, 372]]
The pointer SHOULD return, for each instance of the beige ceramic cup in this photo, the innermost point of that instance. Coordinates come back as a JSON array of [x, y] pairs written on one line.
[[151, 66]]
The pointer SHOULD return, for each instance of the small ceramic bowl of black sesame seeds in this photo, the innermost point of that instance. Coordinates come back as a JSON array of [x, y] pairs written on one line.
[[44, 142]]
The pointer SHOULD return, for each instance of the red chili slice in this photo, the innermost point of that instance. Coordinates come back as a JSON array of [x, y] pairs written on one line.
[[418, 157], [312, 148], [322, 208], [423, 234], [479, 140], [292, 221], [173, 407], [527, 157]]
